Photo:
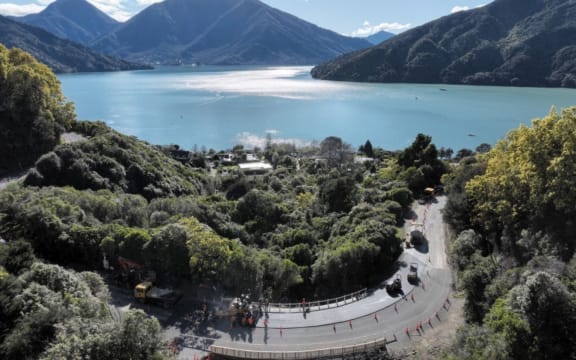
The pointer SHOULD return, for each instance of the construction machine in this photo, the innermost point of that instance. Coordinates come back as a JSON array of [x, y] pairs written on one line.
[[146, 292], [133, 273]]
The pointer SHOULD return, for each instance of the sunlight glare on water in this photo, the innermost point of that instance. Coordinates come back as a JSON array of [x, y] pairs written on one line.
[[218, 107], [283, 82]]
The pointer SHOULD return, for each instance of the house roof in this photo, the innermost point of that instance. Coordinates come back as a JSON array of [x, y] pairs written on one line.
[[255, 166]]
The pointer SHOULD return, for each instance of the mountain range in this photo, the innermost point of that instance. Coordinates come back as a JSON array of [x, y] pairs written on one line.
[[75, 20], [223, 32], [508, 42], [59, 54], [379, 37]]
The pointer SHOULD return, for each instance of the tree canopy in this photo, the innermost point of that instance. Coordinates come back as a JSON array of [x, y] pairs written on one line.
[[528, 183], [513, 207], [33, 111]]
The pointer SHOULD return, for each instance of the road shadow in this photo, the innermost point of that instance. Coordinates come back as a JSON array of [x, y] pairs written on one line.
[[387, 275], [419, 241], [422, 248], [410, 215]]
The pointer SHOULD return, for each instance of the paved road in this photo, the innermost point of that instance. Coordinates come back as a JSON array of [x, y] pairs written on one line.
[[375, 317]]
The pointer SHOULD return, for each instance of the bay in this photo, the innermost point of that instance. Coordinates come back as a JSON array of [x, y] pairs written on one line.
[[218, 107]]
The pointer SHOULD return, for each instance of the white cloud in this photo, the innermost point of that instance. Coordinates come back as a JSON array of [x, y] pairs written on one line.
[[10, 9], [114, 8], [368, 29], [459, 8]]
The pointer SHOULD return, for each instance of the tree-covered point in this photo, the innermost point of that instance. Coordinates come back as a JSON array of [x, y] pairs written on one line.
[[513, 210], [319, 230], [109, 160], [33, 111], [319, 224]]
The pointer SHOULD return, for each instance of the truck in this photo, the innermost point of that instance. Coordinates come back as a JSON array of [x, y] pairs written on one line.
[[146, 292], [413, 273]]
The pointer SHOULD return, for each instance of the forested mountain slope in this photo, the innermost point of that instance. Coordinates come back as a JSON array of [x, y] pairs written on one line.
[[508, 42], [223, 32]]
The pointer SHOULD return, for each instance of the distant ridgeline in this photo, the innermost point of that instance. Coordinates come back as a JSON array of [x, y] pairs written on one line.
[[59, 54], [75, 20], [508, 42], [199, 31]]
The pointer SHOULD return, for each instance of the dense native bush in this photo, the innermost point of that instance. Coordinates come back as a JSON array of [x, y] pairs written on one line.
[[49, 312], [33, 111], [518, 199], [116, 162]]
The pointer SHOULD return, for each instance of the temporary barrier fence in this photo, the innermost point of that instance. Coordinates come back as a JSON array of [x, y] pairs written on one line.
[[318, 304]]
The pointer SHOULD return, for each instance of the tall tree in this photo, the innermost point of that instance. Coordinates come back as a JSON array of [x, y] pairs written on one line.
[[335, 150], [529, 181], [368, 150]]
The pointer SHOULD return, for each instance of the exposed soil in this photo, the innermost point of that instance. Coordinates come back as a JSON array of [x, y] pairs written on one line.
[[436, 340]]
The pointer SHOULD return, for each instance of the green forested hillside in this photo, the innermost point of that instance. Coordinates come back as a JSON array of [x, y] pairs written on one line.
[[33, 111], [513, 210], [109, 160], [507, 42], [318, 229]]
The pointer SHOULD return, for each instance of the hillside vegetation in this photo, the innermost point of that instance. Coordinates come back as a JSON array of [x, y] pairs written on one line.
[[33, 111], [109, 160], [513, 210], [51, 313], [306, 229], [508, 42]]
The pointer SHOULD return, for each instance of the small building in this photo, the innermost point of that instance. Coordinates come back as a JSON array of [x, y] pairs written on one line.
[[255, 168], [226, 159], [249, 157], [362, 159]]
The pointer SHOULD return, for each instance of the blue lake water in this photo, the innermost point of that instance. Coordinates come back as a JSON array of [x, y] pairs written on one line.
[[219, 107]]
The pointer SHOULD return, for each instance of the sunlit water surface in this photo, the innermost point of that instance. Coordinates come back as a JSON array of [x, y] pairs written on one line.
[[218, 107]]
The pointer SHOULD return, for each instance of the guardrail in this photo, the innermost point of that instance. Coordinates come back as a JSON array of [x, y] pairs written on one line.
[[299, 355], [319, 304]]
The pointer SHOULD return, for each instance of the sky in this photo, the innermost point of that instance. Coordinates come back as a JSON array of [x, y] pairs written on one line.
[[349, 17]]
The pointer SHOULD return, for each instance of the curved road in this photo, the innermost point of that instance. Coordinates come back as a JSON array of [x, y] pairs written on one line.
[[375, 317]]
